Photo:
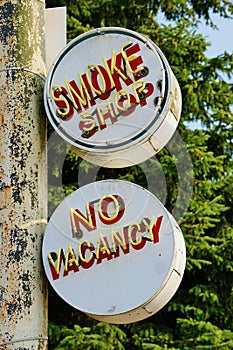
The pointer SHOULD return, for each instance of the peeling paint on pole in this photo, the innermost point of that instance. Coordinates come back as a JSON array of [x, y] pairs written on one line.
[[23, 188]]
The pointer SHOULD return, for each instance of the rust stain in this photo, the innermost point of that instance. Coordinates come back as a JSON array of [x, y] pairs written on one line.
[[5, 228], [7, 195], [2, 119], [3, 159]]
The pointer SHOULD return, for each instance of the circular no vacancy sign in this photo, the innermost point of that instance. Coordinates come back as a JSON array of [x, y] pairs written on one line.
[[113, 251], [111, 94]]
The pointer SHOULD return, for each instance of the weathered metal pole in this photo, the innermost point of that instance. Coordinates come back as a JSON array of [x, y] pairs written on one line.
[[23, 188]]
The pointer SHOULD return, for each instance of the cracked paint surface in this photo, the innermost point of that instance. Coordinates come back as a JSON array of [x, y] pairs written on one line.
[[23, 188]]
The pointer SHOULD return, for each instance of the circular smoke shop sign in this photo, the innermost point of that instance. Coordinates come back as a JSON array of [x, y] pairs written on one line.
[[113, 251], [112, 95]]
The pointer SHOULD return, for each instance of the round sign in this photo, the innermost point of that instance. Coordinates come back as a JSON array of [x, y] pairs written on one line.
[[113, 251], [112, 95]]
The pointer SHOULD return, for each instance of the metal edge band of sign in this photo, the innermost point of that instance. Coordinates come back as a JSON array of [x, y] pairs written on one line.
[[75, 42], [23, 340], [23, 68]]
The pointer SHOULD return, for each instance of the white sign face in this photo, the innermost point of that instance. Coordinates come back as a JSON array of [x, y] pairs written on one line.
[[114, 252], [108, 92]]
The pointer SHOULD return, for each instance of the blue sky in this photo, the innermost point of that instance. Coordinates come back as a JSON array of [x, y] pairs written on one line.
[[221, 40]]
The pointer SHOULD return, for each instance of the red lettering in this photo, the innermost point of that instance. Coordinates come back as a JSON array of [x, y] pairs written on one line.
[[141, 243], [103, 254], [87, 124], [156, 228], [103, 115], [71, 267], [95, 82], [148, 92], [80, 96], [121, 242], [118, 72], [88, 221], [87, 264], [63, 102], [55, 261], [119, 209], [134, 63], [131, 107]]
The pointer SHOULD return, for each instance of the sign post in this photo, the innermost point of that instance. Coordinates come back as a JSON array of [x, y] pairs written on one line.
[[23, 188]]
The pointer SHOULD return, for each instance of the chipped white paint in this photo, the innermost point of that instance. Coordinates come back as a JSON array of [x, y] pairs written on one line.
[[23, 188]]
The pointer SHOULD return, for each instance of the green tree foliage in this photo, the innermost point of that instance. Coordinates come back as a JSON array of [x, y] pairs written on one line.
[[200, 314], [101, 336]]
